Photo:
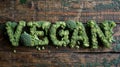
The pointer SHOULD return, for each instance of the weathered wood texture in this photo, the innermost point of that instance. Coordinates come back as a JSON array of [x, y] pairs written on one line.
[[60, 10], [38, 59]]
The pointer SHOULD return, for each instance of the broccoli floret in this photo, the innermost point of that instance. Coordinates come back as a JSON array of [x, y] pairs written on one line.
[[26, 39], [11, 24], [46, 26], [70, 24]]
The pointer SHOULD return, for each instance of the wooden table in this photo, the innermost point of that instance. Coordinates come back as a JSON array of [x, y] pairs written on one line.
[[60, 10]]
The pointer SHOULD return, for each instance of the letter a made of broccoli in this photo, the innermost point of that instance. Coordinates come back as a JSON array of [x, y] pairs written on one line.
[[79, 34]]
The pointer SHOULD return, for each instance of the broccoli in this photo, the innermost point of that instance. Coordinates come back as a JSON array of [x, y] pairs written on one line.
[[46, 26], [97, 32], [39, 37], [64, 34], [107, 27], [14, 36], [93, 37], [26, 39], [60, 33], [71, 24], [79, 34]]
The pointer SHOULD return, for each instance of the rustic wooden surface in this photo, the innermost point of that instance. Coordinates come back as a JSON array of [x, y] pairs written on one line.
[[57, 10]]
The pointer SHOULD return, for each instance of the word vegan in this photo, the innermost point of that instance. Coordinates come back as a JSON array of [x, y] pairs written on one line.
[[63, 33]]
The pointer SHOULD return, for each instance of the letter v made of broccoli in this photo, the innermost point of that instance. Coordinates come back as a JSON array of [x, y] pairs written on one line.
[[14, 31]]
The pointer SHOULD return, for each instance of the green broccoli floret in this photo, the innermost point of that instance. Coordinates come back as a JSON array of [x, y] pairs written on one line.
[[26, 39], [70, 24], [46, 26], [12, 24]]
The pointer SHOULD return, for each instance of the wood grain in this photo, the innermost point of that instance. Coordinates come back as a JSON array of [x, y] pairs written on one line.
[[38, 59], [60, 10]]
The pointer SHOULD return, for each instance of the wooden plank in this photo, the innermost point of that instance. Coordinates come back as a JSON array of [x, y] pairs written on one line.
[[38, 59], [62, 16], [56, 10]]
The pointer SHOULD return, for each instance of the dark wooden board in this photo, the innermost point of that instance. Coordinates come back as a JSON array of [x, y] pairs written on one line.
[[38, 59], [59, 10]]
